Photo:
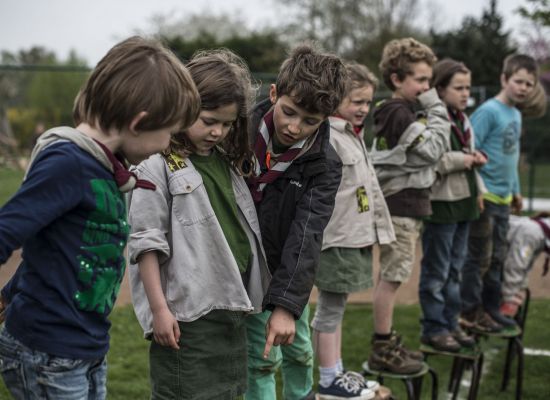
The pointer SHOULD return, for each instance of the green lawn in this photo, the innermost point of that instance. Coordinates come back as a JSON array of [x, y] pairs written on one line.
[[128, 370], [541, 187], [10, 180]]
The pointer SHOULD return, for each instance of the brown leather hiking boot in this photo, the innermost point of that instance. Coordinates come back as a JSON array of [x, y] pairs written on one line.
[[387, 356], [414, 354]]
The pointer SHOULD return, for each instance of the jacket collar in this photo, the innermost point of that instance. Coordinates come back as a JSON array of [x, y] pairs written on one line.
[[317, 149]]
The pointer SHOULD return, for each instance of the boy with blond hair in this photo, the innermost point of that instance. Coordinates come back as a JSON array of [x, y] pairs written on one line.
[[497, 124], [70, 218], [411, 134], [296, 179]]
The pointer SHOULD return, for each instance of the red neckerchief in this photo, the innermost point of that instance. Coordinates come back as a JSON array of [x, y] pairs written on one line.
[[356, 129], [463, 136], [125, 180], [266, 173]]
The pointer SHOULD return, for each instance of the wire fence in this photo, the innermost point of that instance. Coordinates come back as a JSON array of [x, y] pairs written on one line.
[[35, 97]]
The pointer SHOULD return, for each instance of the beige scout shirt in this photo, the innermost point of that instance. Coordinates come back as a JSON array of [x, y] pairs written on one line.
[[361, 217]]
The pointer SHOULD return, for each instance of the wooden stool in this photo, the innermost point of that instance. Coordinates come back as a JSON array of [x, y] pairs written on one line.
[[465, 358], [413, 382]]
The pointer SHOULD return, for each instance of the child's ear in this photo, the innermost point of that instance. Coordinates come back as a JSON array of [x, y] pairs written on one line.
[[503, 80], [136, 120], [394, 78], [273, 93]]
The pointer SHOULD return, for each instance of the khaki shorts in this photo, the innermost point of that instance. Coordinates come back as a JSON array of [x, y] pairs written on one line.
[[397, 258]]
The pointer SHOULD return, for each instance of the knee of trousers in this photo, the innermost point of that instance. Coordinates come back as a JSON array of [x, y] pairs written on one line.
[[258, 367]]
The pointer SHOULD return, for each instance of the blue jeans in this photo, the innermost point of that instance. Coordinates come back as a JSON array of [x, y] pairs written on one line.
[[444, 247], [296, 360], [487, 247], [31, 375]]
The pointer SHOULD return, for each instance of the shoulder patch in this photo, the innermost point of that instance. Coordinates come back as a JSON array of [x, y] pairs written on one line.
[[174, 161]]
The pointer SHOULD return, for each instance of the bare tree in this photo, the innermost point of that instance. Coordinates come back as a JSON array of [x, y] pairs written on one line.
[[355, 29]]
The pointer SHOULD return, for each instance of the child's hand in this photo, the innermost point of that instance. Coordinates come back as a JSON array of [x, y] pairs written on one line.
[[166, 331], [479, 159], [480, 203], [280, 329], [469, 161], [517, 203]]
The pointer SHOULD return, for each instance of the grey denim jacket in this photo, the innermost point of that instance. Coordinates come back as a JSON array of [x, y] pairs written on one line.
[[451, 183], [197, 269]]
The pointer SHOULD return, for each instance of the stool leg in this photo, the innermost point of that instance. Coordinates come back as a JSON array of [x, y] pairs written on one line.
[[511, 348], [452, 377], [457, 377], [519, 372], [435, 385], [477, 369], [411, 395]]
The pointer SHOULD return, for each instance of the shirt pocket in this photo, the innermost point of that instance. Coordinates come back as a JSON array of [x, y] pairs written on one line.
[[190, 203], [352, 164]]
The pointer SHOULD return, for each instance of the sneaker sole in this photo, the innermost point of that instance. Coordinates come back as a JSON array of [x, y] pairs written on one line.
[[368, 396]]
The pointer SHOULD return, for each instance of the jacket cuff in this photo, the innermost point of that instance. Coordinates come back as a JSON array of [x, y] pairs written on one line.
[[270, 302], [429, 99], [150, 240]]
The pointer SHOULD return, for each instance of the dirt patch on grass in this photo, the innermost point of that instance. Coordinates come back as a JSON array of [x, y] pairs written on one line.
[[408, 293]]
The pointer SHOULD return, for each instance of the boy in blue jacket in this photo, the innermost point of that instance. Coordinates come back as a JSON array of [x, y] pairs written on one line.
[[497, 124]]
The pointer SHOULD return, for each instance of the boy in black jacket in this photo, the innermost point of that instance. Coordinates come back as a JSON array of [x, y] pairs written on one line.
[[297, 175]]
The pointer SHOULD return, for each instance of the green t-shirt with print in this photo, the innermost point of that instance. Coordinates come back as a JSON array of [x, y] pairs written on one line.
[[217, 180]]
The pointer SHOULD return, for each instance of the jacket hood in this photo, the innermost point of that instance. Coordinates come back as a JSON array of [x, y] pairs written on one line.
[[384, 115]]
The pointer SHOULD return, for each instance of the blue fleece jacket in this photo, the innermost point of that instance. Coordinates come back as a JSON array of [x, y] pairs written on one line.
[[497, 130], [70, 219]]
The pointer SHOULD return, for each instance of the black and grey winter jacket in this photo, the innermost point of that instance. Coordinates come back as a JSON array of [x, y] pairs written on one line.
[[293, 213]]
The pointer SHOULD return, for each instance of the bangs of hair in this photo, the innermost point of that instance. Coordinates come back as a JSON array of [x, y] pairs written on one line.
[[444, 71], [315, 81]]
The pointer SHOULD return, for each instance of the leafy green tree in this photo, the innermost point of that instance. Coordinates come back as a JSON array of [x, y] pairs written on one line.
[[39, 90], [262, 51], [482, 44], [538, 11]]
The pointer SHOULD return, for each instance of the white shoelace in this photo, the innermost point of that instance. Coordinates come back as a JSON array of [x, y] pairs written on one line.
[[360, 379], [348, 383]]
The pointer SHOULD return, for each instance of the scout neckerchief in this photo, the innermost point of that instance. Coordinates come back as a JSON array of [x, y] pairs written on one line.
[[543, 222], [267, 169], [125, 180], [356, 129], [460, 128]]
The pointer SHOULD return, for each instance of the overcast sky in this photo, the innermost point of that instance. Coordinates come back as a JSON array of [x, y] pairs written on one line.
[[92, 27]]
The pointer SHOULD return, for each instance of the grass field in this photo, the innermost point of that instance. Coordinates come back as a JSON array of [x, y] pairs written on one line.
[[10, 180], [128, 369]]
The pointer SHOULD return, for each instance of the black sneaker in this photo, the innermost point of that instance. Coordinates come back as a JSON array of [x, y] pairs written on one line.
[[371, 385], [345, 387]]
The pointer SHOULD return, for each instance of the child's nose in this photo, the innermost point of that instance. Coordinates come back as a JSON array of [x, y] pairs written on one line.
[[294, 128]]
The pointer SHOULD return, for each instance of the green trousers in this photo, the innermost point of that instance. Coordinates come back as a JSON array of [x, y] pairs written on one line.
[[296, 360]]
